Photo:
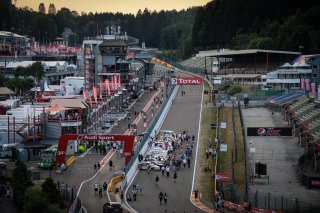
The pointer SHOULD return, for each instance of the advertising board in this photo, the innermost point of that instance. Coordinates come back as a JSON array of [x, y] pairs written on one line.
[[269, 131]]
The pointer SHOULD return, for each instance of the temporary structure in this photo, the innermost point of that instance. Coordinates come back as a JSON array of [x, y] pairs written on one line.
[[56, 108]]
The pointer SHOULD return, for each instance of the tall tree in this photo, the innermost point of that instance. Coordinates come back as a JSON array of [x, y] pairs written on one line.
[[42, 8], [5, 15], [20, 182], [50, 190], [52, 9], [36, 201]]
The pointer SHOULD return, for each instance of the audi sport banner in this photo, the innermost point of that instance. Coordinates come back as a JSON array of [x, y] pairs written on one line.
[[186, 81], [269, 131]]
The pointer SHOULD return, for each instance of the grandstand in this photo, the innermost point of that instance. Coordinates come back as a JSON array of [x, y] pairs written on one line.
[[303, 114], [286, 98], [254, 61]]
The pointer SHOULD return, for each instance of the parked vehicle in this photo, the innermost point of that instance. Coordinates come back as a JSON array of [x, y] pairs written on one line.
[[156, 150], [145, 165], [163, 145], [112, 207], [9, 150]]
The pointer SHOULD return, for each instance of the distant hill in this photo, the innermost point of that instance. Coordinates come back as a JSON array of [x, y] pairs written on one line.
[[266, 24]]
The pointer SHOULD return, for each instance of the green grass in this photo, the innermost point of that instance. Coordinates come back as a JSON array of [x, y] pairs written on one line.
[[205, 182], [225, 159]]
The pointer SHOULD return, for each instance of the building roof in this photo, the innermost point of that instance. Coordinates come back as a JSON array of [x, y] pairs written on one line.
[[16, 64], [113, 43], [243, 75], [226, 52], [6, 33], [69, 103], [6, 91]]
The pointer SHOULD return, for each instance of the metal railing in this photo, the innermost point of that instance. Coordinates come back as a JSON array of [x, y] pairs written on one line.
[[245, 152], [270, 201]]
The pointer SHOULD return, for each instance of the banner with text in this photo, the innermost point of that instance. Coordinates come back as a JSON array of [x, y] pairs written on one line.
[[186, 81], [269, 131]]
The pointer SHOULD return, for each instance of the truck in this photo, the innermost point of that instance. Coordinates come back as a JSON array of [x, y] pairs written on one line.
[[48, 157], [112, 207], [9, 151]]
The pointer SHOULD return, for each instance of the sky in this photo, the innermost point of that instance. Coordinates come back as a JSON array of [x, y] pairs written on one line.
[[123, 6]]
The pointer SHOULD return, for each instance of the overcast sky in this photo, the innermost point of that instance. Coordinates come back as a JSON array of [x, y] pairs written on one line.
[[124, 6]]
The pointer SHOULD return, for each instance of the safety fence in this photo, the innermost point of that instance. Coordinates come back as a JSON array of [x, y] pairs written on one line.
[[245, 152], [281, 203]]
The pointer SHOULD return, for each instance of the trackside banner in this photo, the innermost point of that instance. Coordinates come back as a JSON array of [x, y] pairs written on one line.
[[186, 81], [269, 131]]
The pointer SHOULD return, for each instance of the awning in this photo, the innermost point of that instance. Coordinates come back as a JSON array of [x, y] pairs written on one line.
[[70, 103], [56, 107]]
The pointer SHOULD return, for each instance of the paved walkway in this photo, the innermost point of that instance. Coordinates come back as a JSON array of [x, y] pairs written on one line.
[[281, 156]]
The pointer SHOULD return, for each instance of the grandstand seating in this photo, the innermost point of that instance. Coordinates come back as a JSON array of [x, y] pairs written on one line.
[[314, 126], [303, 100], [197, 62], [287, 97], [311, 116], [316, 135], [305, 109]]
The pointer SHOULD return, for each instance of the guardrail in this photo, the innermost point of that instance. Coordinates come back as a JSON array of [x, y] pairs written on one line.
[[245, 153], [148, 131]]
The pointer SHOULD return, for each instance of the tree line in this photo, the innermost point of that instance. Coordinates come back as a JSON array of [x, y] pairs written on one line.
[[167, 30], [29, 197], [291, 25], [22, 81]]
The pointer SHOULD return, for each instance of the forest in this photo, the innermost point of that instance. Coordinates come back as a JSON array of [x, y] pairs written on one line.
[[166, 30], [291, 25]]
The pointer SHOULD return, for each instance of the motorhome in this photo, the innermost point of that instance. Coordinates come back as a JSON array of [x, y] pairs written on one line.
[[76, 83]]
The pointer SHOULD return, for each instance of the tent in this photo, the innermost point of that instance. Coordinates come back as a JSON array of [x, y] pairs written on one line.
[[56, 108]]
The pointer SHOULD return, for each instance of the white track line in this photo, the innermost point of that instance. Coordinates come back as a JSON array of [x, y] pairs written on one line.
[[125, 193], [83, 182], [197, 149]]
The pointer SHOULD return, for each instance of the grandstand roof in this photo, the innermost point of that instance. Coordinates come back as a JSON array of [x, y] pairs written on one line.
[[243, 75], [242, 52], [113, 43]]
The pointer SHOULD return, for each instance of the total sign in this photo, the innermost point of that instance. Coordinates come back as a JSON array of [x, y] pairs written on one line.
[[186, 81]]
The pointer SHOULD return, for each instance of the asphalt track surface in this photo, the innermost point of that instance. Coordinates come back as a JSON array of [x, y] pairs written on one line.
[[183, 115], [81, 174]]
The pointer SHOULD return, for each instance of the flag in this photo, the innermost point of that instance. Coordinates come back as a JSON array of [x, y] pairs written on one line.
[[84, 95], [119, 81], [115, 82], [107, 83], [313, 90], [101, 89], [95, 94], [111, 83], [302, 83], [91, 101]]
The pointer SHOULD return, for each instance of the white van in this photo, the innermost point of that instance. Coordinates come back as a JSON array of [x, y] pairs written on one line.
[[9, 150]]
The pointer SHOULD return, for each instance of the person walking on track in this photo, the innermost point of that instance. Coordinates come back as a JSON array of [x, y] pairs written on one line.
[[95, 188], [175, 176], [157, 180], [165, 198], [110, 164], [105, 186], [160, 197]]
